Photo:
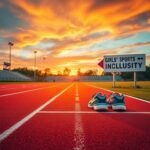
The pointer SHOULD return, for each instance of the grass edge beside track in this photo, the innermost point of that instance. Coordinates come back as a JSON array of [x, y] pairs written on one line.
[[127, 88]]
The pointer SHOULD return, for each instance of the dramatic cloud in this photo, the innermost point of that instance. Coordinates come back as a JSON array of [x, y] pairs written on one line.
[[69, 31]]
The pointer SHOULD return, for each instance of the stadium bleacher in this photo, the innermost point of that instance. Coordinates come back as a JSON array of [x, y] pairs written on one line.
[[81, 78], [6, 75]]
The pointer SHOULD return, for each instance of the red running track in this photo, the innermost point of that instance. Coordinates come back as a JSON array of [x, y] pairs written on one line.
[[67, 123]]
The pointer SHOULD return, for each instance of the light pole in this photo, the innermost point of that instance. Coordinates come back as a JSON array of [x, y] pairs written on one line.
[[35, 65], [10, 45]]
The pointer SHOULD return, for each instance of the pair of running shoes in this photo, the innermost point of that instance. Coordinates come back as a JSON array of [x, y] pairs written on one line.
[[99, 101]]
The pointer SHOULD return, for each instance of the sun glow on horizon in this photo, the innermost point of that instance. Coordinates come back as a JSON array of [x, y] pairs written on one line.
[[73, 73]]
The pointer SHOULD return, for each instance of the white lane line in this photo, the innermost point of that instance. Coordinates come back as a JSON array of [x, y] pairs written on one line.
[[124, 94], [90, 112], [77, 90], [77, 94], [78, 131], [77, 107], [9, 131], [26, 91], [77, 99]]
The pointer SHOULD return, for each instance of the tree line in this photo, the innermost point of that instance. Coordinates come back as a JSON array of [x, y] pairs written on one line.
[[90, 72], [47, 72]]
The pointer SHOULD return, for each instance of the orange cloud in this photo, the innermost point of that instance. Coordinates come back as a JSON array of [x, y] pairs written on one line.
[[73, 24], [73, 19]]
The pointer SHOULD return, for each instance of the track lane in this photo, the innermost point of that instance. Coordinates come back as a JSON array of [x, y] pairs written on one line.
[[132, 104], [32, 84], [115, 131], [100, 130], [14, 108], [49, 131], [66, 102], [19, 88], [109, 131], [43, 132]]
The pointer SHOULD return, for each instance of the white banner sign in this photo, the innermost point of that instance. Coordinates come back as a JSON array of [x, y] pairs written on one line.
[[124, 63]]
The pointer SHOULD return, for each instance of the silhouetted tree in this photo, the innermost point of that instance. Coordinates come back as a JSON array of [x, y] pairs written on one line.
[[66, 72], [90, 73], [47, 71], [29, 72], [59, 73]]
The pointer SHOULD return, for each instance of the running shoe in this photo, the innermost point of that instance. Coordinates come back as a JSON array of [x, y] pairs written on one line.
[[117, 101], [98, 102]]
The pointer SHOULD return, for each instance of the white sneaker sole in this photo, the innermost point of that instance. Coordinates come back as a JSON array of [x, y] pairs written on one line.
[[119, 107], [100, 107]]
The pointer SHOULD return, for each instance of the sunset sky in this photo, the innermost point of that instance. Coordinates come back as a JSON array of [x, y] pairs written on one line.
[[72, 33]]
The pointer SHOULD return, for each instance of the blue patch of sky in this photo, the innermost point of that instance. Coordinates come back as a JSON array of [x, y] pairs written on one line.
[[112, 44], [45, 45], [143, 49], [5, 40], [41, 45], [9, 21], [26, 54], [139, 49], [2, 40]]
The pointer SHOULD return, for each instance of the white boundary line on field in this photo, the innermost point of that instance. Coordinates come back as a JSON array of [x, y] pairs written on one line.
[[10, 94], [9, 131], [78, 130], [91, 112], [124, 94]]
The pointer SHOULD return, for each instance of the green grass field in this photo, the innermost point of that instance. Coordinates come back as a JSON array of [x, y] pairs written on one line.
[[127, 88]]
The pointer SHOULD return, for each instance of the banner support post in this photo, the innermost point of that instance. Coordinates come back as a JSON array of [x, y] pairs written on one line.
[[135, 80], [114, 80]]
